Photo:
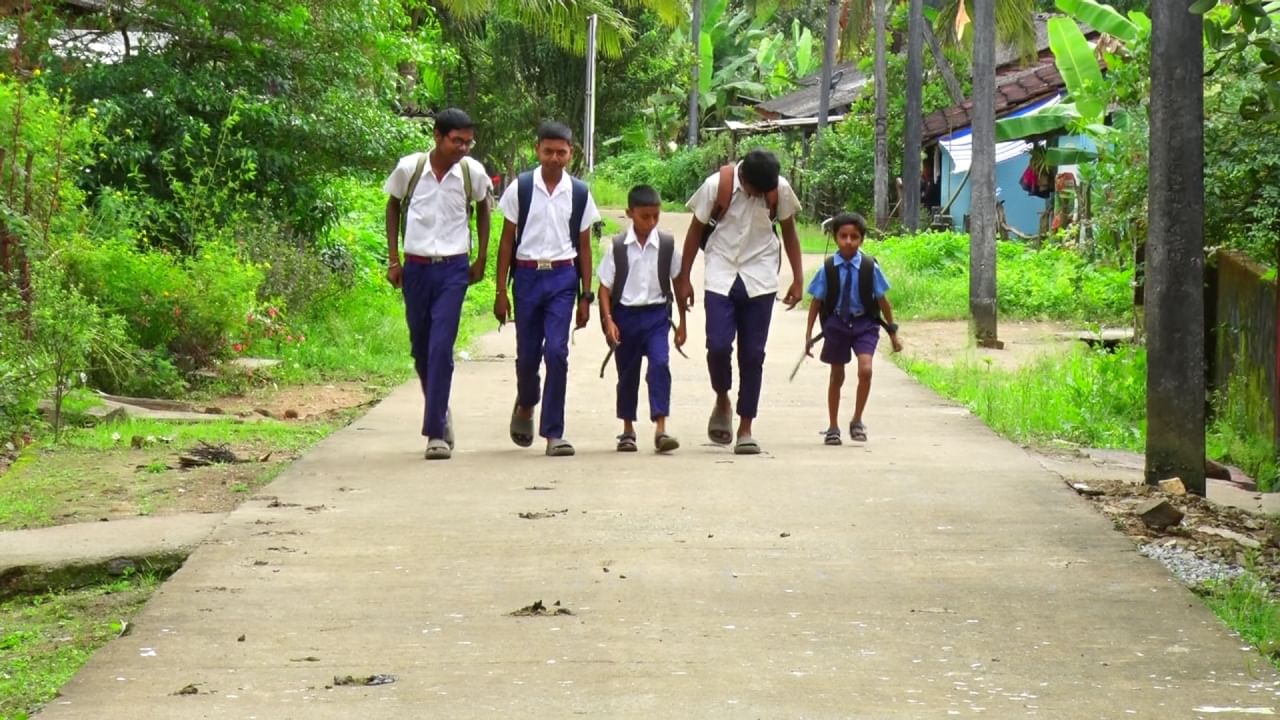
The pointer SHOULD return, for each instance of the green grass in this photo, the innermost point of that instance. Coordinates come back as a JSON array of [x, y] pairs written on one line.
[[1246, 606], [45, 639], [287, 436], [929, 275], [1088, 397]]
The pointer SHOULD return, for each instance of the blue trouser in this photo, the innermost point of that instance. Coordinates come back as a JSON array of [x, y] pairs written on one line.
[[748, 318], [544, 305], [433, 297], [643, 331]]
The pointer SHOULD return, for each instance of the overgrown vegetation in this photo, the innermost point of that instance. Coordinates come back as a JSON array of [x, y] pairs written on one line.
[[44, 639]]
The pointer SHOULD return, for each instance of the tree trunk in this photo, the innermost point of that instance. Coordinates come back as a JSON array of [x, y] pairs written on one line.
[[881, 20], [944, 66], [695, 32], [1174, 297], [828, 62], [982, 174], [913, 120]]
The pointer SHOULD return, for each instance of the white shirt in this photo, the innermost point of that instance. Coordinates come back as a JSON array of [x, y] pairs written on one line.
[[546, 232], [642, 287], [743, 243], [437, 222]]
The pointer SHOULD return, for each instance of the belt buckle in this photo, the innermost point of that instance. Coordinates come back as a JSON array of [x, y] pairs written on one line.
[[544, 264], [434, 259]]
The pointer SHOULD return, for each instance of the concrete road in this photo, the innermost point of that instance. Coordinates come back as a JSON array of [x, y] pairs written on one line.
[[935, 571]]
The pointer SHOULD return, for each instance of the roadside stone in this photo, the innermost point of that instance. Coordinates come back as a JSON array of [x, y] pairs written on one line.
[[1173, 486], [1158, 514], [1240, 538]]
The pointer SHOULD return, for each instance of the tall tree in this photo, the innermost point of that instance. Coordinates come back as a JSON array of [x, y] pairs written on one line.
[[982, 177], [913, 121], [695, 33], [828, 62], [1174, 301]]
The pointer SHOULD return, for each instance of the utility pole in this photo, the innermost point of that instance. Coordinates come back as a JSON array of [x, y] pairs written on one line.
[[1174, 301], [881, 176], [589, 122]]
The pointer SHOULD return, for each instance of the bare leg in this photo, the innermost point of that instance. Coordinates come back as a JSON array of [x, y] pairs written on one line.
[[833, 395], [864, 386], [659, 423]]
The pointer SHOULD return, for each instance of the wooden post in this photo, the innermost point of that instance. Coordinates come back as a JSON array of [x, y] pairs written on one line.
[[1174, 298]]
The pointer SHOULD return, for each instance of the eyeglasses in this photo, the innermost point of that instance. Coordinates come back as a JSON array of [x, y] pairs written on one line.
[[461, 142]]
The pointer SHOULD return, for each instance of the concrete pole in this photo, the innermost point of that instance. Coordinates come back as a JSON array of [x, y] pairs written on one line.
[[1174, 300], [589, 123]]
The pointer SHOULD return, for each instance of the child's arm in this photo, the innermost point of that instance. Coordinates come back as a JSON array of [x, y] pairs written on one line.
[[682, 332], [394, 273], [815, 307], [610, 328], [886, 311], [501, 304]]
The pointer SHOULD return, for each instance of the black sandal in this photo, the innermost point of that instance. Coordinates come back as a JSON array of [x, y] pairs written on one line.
[[627, 442], [831, 436], [857, 431], [521, 428]]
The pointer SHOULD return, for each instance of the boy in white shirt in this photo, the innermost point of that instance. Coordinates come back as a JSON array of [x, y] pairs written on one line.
[[546, 250], [429, 204], [733, 216], [635, 313]]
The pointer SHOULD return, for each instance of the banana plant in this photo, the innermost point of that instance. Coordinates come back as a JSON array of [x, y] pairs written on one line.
[[1088, 95]]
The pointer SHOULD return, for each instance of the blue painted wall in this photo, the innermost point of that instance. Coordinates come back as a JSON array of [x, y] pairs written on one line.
[[1021, 209]]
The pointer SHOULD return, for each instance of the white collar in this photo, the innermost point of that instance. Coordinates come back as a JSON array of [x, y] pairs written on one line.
[[566, 181], [633, 239]]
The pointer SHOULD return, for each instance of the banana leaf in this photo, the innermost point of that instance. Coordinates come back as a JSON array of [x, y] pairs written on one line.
[[1103, 18], [1051, 119], [1077, 65], [1059, 156]]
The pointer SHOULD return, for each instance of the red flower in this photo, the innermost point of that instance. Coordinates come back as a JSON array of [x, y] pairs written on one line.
[[238, 347]]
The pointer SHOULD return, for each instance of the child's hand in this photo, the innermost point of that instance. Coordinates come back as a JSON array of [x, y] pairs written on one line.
[[681, 335], [808, 346], [897, 343], [611, 334]]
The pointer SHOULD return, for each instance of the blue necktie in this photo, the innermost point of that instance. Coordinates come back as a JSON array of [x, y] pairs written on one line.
[[846, 294]]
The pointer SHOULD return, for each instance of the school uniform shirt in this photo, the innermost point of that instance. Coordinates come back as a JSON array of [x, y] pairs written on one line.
[[743, 243], [546, 232], [643, 287], [818, 286], [437, 224]]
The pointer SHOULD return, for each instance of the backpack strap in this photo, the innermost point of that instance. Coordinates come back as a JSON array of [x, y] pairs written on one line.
[[524, 197], [867, 287], [832, 277], [408, 193], [466, 183], [580, 192], [666, 253], [724, 196], [621, 268]]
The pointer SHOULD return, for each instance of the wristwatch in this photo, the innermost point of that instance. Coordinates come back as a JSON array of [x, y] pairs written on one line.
[[589, 296], [893, 328]]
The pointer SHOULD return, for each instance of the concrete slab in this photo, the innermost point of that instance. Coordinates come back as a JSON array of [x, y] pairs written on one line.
[[935, 571], [64, 556]]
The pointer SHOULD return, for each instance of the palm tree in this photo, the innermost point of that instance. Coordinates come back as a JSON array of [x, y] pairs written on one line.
[[982, 176], [881, 191], [565, 23]]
